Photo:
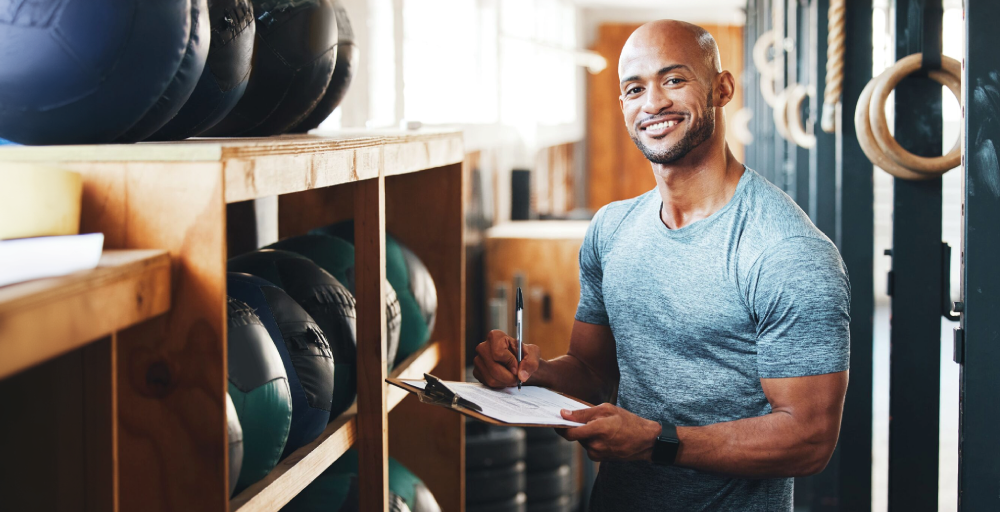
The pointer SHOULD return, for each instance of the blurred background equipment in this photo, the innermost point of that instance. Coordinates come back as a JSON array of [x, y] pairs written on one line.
[[235, 433], [348, 54], [295, 51]]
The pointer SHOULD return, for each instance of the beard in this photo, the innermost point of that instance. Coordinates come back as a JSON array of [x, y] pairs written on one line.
[[693, 137]]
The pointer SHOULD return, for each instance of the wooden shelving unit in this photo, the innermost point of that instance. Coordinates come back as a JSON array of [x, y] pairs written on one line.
[[170, 398]]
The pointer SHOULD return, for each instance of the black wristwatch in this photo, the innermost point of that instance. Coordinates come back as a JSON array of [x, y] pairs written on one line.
[[665, 449]]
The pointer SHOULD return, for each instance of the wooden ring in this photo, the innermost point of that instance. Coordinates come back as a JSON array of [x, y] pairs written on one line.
[[863, 127], [950, 77], [767, 87], [759, 53], [796, 95], [780, 114]]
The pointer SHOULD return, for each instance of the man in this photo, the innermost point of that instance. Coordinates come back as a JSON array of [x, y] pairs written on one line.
[[712, 311]]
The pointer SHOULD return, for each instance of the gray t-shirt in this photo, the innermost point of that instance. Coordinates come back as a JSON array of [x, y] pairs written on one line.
[[700, 314]]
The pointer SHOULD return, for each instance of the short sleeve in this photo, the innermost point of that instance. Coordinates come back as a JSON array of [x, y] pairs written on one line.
[[800, 296], [591, 308]]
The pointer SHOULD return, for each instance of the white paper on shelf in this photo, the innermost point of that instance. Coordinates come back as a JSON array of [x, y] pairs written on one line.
[[530, 405], [24, 259]]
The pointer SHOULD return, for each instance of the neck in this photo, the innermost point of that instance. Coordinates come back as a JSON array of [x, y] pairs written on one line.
[[697, 185]]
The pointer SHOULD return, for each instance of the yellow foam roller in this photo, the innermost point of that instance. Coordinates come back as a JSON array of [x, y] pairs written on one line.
[[37, 200]]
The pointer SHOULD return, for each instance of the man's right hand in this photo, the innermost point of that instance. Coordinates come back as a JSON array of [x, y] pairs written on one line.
[[496, 361]]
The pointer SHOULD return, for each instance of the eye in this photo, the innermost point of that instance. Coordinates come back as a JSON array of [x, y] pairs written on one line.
[[674, 81], [633, 90]]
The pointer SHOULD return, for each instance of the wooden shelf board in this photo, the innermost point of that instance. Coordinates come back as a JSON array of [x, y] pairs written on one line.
[[259, 167], [44, 318], [296, 471]]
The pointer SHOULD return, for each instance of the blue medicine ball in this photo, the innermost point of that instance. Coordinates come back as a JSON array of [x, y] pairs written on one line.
[[303, 349], [226, 72], [85, 71]]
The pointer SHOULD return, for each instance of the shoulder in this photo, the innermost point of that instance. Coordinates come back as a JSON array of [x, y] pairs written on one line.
[[612, 216], [776, 231]]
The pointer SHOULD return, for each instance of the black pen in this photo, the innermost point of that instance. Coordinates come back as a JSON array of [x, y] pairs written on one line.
[[519, 308]]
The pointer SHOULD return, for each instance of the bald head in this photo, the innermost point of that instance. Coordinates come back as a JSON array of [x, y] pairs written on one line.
[[689, 42]]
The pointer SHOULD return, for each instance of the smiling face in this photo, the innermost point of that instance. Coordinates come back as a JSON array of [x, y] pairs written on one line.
[[669, 71]]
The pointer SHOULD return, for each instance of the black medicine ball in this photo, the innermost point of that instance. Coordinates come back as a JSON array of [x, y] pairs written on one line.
[[226, 72], [85, 71], [295, 50], [343, 73]]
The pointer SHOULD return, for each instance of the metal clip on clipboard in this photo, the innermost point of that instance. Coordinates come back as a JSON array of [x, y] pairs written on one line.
[[438, 393]]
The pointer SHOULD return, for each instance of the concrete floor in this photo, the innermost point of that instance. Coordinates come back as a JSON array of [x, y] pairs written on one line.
[[948, 472]]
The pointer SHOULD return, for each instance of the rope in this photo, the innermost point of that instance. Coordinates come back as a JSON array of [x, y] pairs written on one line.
[[834, 64], [873, 131]]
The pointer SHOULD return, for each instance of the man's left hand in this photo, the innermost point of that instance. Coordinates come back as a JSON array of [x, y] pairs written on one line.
[[612, 433]]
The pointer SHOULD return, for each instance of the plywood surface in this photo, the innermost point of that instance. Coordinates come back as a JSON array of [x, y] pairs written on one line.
[[43, 318]]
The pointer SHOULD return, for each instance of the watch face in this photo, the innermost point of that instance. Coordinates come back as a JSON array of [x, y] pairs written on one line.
[[665, 449]]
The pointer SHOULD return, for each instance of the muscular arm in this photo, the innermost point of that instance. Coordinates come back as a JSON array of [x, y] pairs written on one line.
[[796, 439]]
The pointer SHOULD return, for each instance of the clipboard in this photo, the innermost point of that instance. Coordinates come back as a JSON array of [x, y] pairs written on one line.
[[438, 393]]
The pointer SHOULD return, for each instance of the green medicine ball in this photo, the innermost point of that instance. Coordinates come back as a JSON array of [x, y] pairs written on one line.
[[413, 284], [258, 387], [336, 490]]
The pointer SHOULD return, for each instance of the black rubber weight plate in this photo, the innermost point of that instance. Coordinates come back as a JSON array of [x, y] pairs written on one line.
[[547, 455], [561, 504], [494, 448], [489, 485], [548, 485], [516, 504]]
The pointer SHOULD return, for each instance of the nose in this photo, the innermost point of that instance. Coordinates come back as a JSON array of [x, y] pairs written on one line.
[[657, 99]]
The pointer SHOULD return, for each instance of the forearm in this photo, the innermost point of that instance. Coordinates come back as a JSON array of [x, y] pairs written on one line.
[[569, 375], [774, 445]]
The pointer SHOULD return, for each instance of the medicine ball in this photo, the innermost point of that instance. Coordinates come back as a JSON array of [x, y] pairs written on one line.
[[226, 72], [184, 81], [328, 303], [258, 384], [235, 434], [85, 71], [418, 314], [304, 352], [340, 479], [343, 73], [295, 50], [338, 493], [336, 256]]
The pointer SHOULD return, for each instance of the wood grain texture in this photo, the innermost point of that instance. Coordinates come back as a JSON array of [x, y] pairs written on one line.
[[258, 167], [426, 213], [373, 420], [616, 168], [296, 471], [44, 318], [547, 254], [301, 467]]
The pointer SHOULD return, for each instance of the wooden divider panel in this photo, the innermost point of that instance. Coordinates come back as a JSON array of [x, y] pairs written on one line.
[[425, 212]]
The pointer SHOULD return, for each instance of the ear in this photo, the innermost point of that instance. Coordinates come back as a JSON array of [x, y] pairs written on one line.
[[621, 102], [725, 88]]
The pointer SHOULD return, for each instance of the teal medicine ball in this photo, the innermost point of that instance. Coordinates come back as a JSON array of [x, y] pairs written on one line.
[[336, 489], [235, 433], [258, 387], [413, 284], [336, 256]]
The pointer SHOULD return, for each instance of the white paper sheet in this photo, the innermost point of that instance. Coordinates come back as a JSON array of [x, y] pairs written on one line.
[[530, 405]]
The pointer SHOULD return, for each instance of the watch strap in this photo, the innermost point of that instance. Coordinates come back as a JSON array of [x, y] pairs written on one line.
[[666, 446]]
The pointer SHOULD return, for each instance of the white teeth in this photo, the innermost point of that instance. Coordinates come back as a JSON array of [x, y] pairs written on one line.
[[660, 126]]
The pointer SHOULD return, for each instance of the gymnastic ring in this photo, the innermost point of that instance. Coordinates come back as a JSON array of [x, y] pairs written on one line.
[[863, 127], [767, 86], [759, 53], [949, 76], [793, 107], [780, 114]]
